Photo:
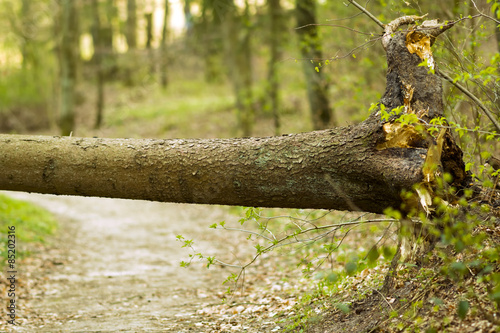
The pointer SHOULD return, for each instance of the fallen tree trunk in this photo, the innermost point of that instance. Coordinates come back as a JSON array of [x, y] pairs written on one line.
[[332, 169], [363, 167]]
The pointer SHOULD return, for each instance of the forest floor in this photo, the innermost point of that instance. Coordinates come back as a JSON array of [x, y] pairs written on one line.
[[114, 266]]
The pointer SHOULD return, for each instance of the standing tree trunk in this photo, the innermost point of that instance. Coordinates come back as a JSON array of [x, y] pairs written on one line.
[[131, 35], [188, 17], [131, 28], [149, 30], [68, 65], [27, 27], [239, 50], [245, 67], [108, 55], [98, 62], [310, 48], [211, 40], [149, 41], [164, 49], [275, 42]]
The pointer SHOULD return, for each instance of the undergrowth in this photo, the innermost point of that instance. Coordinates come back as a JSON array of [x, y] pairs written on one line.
[[32, 225]]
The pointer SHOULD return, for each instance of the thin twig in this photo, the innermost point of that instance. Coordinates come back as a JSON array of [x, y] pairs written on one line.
[[276, 243], [371, 42], [370, 15], [381, 238], [221, 263], [484, 15], [471, 96], [349, 17], [461, 128], [335, 26], [383, 297], [248, 232]]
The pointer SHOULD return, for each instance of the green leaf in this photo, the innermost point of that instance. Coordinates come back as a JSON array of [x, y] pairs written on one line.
[[343, 307], [462, 309], [332, 277], [351, 267], [388, 252], [210, 261], [373, 254], [395, 214], [458, 267]]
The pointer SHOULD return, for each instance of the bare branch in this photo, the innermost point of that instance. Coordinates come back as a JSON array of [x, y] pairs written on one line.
[[248, 232], [221, 263], [370, 15], [335, 26], [483, 14], [472, 97], [461, 128]]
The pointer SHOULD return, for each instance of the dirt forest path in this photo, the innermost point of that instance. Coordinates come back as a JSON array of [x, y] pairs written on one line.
[[115, 267]]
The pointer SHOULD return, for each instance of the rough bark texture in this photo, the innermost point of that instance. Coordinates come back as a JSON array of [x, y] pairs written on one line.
[[337, 169]]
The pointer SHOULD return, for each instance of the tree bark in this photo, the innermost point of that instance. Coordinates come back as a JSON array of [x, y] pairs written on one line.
[[331, 169], [363, 167]]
